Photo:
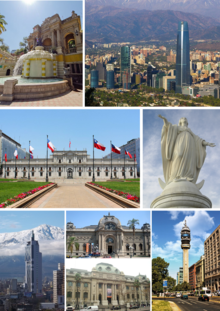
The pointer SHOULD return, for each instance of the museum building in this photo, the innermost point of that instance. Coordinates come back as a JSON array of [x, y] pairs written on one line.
[[105, 285], [68, 165], [108, 237]]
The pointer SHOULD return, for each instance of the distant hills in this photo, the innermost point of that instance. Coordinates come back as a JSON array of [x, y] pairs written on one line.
[[204, 7], [112, 24]]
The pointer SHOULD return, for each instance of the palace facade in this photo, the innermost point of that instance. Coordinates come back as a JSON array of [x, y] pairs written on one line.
[[108, 237], [105, 285], [69, 165]]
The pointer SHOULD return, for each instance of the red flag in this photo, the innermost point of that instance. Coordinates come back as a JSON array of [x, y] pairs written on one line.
[[135, 157], [6, 157], [128, 153], [69, 144]]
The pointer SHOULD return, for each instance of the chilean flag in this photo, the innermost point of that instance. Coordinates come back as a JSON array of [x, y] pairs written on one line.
[[128, 153], [31, 149], [50, 145], [6, 157], [116, 149], [69, 144], [16, 153], [98, 145], [135, 157], [31, 156]]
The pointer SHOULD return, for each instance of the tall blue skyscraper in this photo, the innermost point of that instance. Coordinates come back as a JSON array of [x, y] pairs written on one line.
[[33, 266], [125, 62], [182, 57]]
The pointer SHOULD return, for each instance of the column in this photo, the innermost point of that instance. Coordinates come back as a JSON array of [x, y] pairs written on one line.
[[58, 38], [53, 39], [103, 292], [97, 291]]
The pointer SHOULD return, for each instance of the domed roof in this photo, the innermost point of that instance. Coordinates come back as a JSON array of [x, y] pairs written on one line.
[[106, 268], [109, 219], [185, 227]]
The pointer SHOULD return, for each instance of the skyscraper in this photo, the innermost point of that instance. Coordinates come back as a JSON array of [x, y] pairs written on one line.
[[33, 266], [125, 61], [58, 284], [182, 59], [185, 245]]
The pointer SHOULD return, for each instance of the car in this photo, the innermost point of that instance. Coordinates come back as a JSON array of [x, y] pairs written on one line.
[[178, 295], [69, 308], [184, 296], [203, 298], [115, 308]]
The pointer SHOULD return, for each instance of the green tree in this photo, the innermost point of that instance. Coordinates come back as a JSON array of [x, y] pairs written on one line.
[[77, 278], [137, 285], [159, 273], [185, 286], [2, 24], [89, 97], [24, 44], [72, 241], [131, 224], [3, 46], [170, 283]]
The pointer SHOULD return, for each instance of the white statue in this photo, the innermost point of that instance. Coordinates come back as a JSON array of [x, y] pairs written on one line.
[[183, 153]]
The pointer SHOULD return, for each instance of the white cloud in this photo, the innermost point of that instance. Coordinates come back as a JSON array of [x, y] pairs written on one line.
[[154, 236]]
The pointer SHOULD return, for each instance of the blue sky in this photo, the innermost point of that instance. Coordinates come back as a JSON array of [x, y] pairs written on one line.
[[205, 124], [85, 218], [22, 17], [15, 221], [166, 227], [78, 125]]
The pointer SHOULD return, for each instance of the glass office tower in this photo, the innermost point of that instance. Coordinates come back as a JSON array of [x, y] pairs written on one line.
[[94, 78], [125, 61], [182, 57]]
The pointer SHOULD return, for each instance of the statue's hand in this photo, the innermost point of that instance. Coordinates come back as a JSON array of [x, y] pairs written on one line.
[[205, 143], [160, 116], [211, 145]]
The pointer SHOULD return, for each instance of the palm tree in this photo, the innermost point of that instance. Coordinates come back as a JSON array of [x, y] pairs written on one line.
[[2, 23], [77, 278], [136, 284], [131, 224], [72, 241]]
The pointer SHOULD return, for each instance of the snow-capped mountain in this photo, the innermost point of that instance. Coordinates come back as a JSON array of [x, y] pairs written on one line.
[[43, 232]]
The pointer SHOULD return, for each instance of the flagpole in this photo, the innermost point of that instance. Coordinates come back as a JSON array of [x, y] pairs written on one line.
[[124, 163], [29, 161], [15, 164], [134, 160], [93, 175], [47, 164], [5, 162], [111, 157]]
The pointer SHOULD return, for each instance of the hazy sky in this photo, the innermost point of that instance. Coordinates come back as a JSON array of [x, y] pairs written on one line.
[[129, 266], [78, 125], [22, 16], [87, 218], [14, 221], [166, 242], [205, 124]]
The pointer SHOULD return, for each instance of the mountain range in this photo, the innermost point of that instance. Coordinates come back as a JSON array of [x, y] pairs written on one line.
[[204, 7], [12, 250], [106, 24]]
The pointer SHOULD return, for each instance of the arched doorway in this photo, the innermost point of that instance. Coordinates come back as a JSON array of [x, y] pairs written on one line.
[[69, 173], [70, 43], [100, 299], [118, 299], [47, 43], [8, 72], [110, 245]]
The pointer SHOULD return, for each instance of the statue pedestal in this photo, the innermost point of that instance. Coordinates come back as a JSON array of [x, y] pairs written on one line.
[[181, 194]]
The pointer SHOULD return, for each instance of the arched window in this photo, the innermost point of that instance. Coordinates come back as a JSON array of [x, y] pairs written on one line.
[[85, 295], [109, 240], [134, 245], [140, 247], [69, 294], [127, 247], [84, 247], [128, 296]]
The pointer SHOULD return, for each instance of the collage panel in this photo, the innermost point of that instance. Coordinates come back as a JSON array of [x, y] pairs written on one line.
[[77, 164], [180, 150], [185, 264], [32, 260], [41, 59], [117, 234]]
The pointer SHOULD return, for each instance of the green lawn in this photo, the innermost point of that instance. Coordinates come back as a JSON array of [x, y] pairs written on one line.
[[11, 189], [5, 179], [129, 187], [161, 306]]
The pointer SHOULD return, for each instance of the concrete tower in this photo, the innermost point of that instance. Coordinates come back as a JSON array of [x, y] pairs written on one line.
[[185, 245], [33, 266]]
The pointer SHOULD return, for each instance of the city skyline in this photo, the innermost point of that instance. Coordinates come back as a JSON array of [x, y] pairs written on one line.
[[166, 237]]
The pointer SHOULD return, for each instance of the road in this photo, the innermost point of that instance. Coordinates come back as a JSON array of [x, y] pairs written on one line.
[[192, 304]]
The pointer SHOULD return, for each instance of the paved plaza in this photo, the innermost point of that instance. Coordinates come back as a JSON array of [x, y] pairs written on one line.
[[74, 195], [68, 99]]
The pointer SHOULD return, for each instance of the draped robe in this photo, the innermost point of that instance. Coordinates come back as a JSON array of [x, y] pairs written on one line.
[[182, 152]]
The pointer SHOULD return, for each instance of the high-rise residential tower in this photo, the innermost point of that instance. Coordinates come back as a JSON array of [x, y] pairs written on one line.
[[33, 266], [125, 61], [182, 57], [185, 245]]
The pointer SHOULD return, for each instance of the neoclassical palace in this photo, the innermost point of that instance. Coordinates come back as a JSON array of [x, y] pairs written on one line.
[[105, 285], [69, 164], [63, 36], [109, 236]]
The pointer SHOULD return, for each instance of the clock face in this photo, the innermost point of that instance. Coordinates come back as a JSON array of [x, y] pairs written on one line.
[[110, 226]]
